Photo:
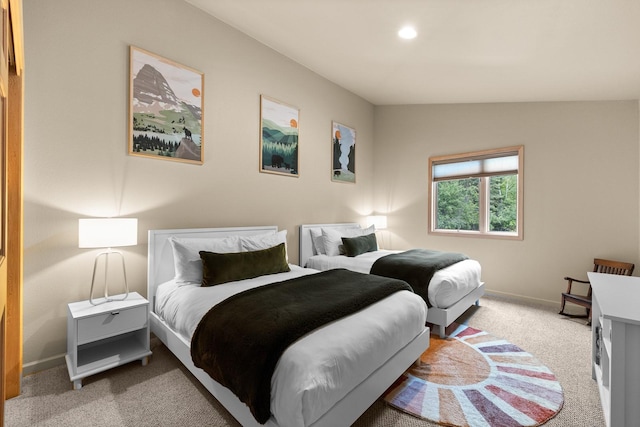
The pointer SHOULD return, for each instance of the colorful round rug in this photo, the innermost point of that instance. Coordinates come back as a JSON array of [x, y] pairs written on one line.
[[475, 379]]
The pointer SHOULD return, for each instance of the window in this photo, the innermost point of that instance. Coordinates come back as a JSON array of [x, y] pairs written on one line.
[[477, 194]]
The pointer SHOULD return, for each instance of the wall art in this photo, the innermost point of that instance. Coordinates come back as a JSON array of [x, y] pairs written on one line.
[[166, 109], [279, 133], [343, 146]]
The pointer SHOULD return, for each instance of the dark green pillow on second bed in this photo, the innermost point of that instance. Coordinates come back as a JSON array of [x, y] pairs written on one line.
[[354, 246]]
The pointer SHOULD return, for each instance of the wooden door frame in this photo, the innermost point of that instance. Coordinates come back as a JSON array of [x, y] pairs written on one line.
[[14, 244], [14, 206]]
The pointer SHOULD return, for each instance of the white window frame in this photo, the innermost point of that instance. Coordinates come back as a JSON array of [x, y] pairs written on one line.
[[484, 191]]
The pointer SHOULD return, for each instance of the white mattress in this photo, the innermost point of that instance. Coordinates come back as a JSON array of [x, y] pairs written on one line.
[[446, 288], [319, 369]]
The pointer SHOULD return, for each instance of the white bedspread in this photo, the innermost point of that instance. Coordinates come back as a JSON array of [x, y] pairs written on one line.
[[319, 369], [446, 288]]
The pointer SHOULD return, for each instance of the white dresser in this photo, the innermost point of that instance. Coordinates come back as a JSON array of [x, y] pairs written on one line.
[[616, 346]]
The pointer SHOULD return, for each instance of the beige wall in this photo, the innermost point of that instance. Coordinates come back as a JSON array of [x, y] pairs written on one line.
[[580, 178], [76, 161], [581, 159]]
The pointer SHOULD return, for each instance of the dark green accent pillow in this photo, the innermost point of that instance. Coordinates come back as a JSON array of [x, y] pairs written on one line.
[[354, 246], [220, 268]]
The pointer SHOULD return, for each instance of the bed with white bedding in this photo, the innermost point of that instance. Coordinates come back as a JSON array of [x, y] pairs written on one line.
[[374, 345], [452, 290]]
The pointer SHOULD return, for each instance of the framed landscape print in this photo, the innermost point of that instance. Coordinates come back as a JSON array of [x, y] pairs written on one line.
[[278, 137], [343, 161], [166, 109]]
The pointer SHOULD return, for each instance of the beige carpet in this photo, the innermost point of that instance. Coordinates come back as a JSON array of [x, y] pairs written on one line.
[[163, 393]]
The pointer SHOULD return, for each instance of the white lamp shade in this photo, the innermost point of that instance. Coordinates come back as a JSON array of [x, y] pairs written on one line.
[[107, 232], [378, 221]]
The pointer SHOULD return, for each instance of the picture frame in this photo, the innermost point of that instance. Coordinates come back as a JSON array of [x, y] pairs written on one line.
[[279, 135], [166, 109], [343, 153]]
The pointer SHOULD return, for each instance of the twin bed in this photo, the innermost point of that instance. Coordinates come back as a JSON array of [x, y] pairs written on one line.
[[327, 377], [451, 291]]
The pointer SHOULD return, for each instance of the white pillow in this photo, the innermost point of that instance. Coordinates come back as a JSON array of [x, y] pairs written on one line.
[[186, 254], [317, 241], [264, 241], [333, 238]]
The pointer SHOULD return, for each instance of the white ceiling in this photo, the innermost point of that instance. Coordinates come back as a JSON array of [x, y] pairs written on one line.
[[467, 51]]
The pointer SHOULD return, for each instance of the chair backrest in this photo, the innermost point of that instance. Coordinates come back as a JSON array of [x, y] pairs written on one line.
[[612, 267]]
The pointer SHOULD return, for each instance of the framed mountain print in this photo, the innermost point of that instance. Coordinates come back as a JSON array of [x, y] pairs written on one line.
[[278, 137], [166, 109], [343, 160]]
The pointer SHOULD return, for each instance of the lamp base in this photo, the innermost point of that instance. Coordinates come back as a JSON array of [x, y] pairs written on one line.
[[106, 283]]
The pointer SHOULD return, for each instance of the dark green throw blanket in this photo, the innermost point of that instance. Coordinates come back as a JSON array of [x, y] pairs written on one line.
[[240, 340], [416, 267]]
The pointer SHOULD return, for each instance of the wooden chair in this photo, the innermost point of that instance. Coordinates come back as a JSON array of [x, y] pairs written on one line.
[[599, 266]]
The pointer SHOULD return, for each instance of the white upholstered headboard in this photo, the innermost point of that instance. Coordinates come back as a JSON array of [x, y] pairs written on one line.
[[306, 244], [160, 266]]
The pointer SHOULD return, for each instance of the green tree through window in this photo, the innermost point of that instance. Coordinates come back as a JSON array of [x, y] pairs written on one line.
[[458, 204], [503, 203]]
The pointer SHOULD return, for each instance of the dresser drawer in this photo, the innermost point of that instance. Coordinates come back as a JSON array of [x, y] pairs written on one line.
[[111, 323]]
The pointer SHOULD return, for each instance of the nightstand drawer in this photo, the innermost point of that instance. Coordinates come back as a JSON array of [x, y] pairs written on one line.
[[111, 323]]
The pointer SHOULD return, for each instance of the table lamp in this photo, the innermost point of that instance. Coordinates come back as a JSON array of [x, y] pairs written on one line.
[[380, 223], [107, 233]]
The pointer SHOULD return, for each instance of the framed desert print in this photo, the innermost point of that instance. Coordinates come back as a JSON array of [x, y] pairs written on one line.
[[278, 137], [166, 109], [343, 160]]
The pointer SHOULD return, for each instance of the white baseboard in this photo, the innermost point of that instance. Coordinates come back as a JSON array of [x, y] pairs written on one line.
[[521, 298], [41, 365]]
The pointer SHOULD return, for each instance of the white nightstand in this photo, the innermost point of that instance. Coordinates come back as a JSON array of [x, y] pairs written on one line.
[[104, 336]]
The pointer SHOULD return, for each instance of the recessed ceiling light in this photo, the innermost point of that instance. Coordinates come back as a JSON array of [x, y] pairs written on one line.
[[407, 33]]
